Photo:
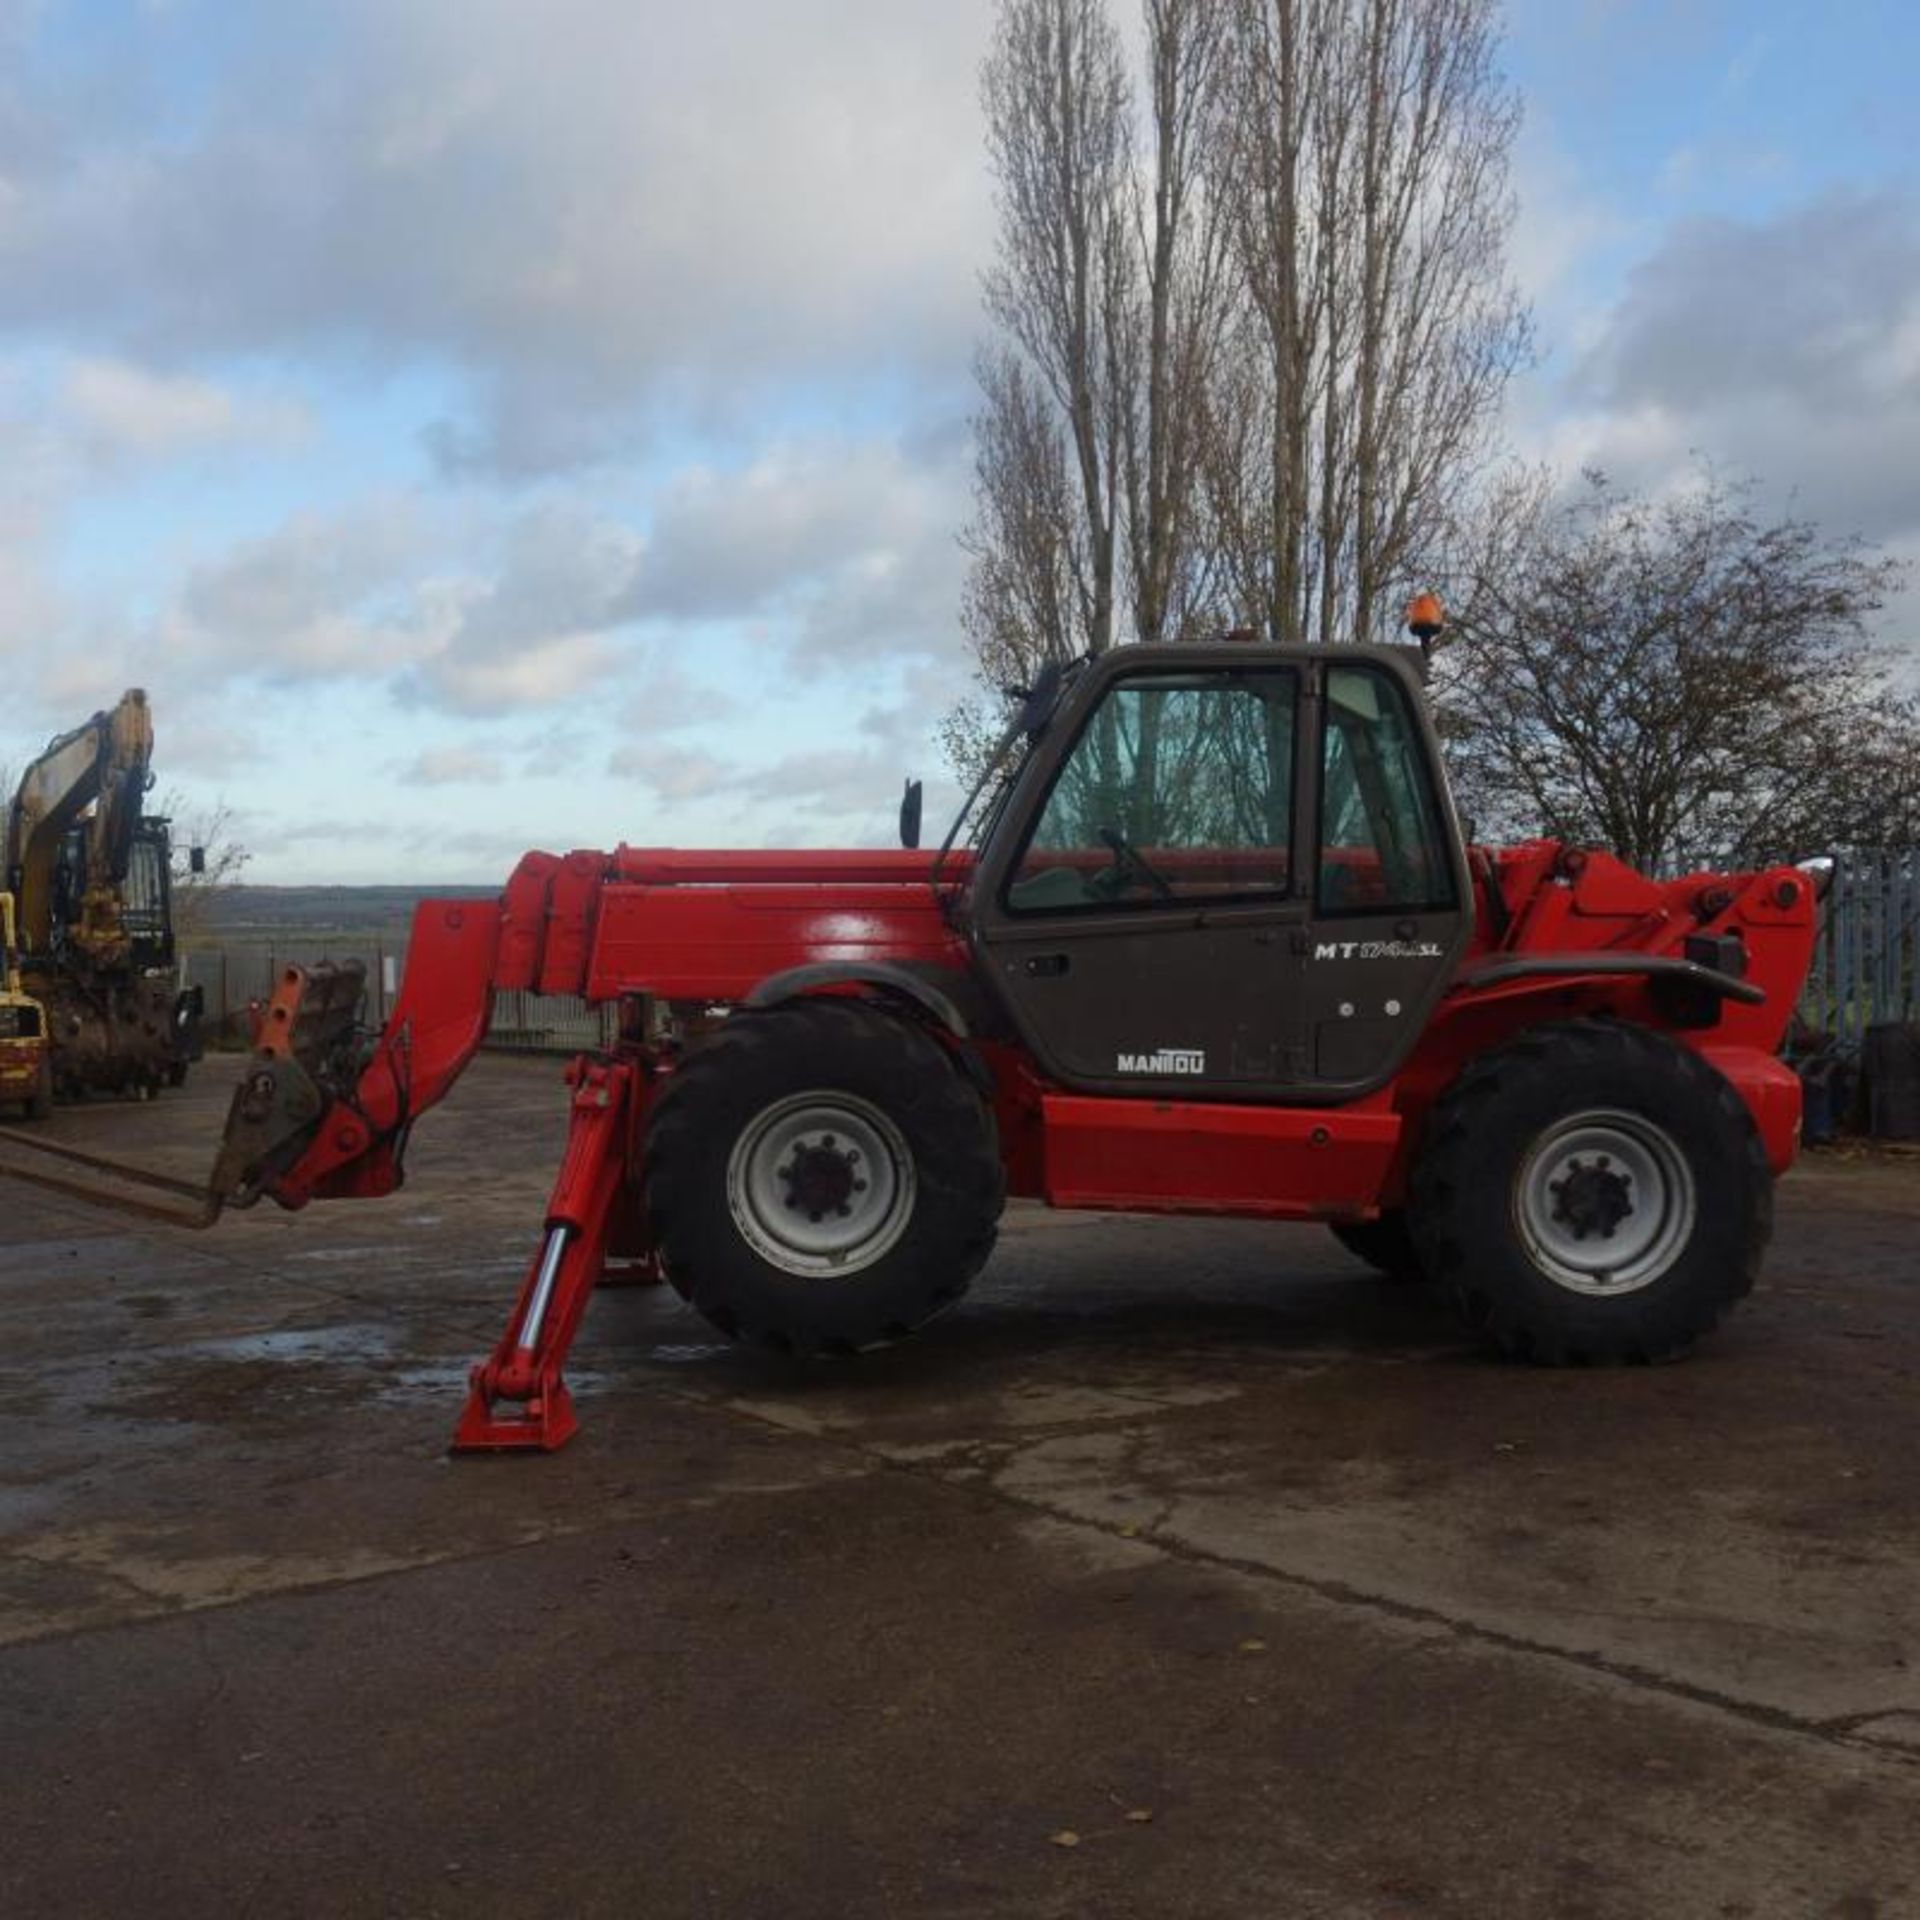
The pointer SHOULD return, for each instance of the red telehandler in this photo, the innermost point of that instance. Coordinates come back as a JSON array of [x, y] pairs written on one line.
[[1218, 945]]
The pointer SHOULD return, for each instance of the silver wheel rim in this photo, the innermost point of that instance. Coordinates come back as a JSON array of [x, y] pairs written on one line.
[[1605, 1202], [821, 1184]]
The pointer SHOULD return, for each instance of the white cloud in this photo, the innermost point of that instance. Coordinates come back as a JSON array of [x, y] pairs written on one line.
[[477, 613], [1785, 347], [673, 773], [541, 673], [451, 767], [672, 700], [850, 544], [321, 594], [602, 210], [118, 408]]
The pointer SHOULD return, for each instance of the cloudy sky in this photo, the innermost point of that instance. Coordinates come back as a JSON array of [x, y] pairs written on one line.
[[495, 423]]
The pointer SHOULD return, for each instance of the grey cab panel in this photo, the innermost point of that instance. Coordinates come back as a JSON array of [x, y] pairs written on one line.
[[1229, 871]]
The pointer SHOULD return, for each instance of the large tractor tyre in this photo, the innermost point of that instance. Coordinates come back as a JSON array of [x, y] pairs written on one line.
[[822, 1178], [1385, 1244], [40, 1103], [1592, 1194]]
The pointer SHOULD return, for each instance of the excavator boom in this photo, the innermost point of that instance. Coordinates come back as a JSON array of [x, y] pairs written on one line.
[[88, 869], [98, 772]]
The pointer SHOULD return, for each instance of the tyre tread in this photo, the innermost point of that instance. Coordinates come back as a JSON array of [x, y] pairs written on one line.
[[923, 1082], [1451, 1160]]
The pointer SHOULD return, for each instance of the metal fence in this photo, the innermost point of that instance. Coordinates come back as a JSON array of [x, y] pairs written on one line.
[[1866, 964], [238, 976]]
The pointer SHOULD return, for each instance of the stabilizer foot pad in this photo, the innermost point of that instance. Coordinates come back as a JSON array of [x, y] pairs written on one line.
[[542, 1423]]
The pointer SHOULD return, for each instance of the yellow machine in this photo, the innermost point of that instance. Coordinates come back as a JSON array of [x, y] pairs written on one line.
[[26, 1055], [88, 869]]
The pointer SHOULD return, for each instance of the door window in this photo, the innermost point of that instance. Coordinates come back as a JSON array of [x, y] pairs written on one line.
[[1382, 847], [1179, 789]]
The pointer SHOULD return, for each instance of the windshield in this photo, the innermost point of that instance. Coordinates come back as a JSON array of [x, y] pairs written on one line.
[[974, 823]]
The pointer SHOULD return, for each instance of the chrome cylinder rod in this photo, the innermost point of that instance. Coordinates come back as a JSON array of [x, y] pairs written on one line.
[[536, 1314]]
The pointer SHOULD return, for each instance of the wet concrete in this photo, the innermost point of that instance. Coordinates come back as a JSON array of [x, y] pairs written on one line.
[[1189, 1541]]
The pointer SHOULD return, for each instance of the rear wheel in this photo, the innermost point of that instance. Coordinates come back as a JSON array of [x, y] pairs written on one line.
[[1385, 1244], [1592, 1194], [821, 1177]]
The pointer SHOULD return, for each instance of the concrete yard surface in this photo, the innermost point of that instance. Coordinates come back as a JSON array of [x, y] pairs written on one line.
[[1184, 1569]]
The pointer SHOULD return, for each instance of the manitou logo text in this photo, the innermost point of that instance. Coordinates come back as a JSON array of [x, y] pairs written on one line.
[[1167, 1060]]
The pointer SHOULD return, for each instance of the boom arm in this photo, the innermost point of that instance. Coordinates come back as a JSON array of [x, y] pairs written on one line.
[[103, 764], [324, 1114]]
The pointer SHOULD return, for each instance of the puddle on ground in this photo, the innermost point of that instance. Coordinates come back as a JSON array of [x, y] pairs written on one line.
[[360, 1342]]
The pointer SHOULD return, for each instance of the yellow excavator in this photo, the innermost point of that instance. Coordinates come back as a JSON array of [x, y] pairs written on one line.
[[88, 869], [26, 1057]]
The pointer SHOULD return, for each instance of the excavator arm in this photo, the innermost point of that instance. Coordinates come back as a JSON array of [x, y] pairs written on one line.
[[103, 764]]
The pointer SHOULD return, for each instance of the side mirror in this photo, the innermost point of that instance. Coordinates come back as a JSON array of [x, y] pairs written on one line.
[[1038, 701], [910, 814], [196, 860]]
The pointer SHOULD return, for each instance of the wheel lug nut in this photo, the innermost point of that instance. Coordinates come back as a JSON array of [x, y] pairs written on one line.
[[859, 1186], [843, 1211]]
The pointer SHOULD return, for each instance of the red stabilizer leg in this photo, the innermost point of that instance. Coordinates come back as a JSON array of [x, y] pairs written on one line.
[[518, 1399]]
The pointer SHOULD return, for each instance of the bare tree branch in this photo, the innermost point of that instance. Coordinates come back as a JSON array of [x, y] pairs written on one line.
[[1679, 680]]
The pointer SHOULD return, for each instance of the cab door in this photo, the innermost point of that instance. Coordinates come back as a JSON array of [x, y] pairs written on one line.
[[1140, 908], [1156, 906], [1391, 899]]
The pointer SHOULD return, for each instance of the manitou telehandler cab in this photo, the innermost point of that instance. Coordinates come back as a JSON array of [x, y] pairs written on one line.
[[1218, 946]]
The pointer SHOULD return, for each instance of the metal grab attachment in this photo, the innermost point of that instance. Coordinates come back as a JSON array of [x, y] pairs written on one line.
[[518, 1399], [207, 1200]]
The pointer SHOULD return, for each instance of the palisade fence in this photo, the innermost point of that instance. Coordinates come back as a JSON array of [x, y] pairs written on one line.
[[238, 976], [1866, 970], [1866, 965]]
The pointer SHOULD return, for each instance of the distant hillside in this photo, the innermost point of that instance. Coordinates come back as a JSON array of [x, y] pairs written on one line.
[[242, 915]]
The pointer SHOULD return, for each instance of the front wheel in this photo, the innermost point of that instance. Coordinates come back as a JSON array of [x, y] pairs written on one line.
[[1592, 1194], [40, 1102], [822, 1177]]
